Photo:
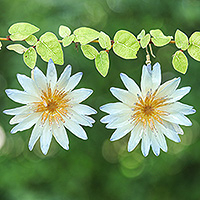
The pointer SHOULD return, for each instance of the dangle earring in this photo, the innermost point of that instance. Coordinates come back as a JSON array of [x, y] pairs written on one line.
[[149, 113], [51, 105]]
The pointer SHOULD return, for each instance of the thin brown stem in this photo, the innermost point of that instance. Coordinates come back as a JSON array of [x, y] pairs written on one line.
[[94, 41], [4, 39], [109, 50]]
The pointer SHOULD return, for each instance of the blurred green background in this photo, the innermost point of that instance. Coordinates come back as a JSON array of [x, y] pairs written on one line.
[[97, 168]]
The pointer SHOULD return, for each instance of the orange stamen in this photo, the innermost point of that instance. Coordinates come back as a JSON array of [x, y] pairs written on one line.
[[147, 110], [53, 106]]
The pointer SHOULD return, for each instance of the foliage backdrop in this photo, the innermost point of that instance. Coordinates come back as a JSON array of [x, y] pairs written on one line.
[[98, 168]]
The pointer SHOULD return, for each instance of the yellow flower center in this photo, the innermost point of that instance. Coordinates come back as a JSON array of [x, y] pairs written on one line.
[[147, 110], [53, 105]]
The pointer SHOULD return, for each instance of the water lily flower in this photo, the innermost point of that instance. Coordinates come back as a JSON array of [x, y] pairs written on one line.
[[149, 114], [51, 105]]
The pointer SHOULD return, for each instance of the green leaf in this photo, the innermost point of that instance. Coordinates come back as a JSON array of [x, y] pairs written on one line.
[[180, 62], [159, 39], [20, 31], [145, 40], [104, 41], [0, 45], [64, 31], [194, 48], [68, 40], [85, 35], [30, 57], [125, 45], [17, 48], [181, 40], [102, 63], [141, 34], [49, 47], [31, 40], [89, 51]]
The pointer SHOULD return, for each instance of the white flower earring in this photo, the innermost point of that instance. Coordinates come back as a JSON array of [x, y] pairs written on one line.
[[51, 105], [149, 113]]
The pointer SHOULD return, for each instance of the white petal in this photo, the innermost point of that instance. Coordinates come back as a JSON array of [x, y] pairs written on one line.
[[165, 84], [146, 79], [61, 137], [156, 76], [178, 107], [76, 129], [28, 85], [106, 119], [171, 134], [79, 95], [168, 88], [73, 81], [177, 118], [117, 124], [130, 84], [178, 129], [119, 120], [17, 111], [40, 79], [80, 119], [186, 109], [26, 123], [18, 118], [146, 142], [121, 132], [120, 117], [123, 95], [36, 133], [51, 74], [84, 109], [90, 119], [155, 145], [173, 127], [64, 77], [135, 138], [21, 96], [161, 141], [112, 108], [179, 94], [45, 139]]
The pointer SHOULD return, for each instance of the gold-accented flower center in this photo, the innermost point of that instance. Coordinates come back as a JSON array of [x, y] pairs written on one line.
[[53, 105], [147, 110]]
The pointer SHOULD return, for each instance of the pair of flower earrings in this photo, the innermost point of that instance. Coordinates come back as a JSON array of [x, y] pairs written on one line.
[[52, 104]]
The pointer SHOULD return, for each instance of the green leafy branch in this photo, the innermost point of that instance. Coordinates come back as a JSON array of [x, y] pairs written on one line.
[[124, 45]]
